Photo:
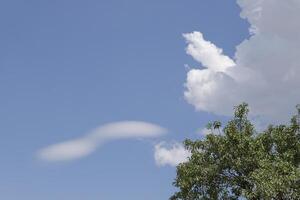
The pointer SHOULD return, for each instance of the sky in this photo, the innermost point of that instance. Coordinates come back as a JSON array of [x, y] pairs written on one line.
[[97, 96]]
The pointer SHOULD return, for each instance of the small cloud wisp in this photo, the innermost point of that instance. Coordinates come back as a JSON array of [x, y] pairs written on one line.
[[170, 154]]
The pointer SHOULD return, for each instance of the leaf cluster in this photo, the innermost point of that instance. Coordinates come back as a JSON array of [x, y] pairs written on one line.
[[242, 164]]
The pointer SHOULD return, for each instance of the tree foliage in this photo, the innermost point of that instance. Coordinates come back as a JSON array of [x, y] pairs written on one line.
[[242, 164]]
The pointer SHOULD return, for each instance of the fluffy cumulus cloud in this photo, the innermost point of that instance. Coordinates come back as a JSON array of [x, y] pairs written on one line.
[[170, 154], [265, 71], [80, 147]]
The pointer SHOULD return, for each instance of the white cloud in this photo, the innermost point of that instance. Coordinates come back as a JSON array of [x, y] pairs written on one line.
[[204, 132], [80, 147], [206, 52], [265, 72], [171, 154]]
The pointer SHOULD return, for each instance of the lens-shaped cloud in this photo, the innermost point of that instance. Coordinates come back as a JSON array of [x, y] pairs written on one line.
[[80, 147]]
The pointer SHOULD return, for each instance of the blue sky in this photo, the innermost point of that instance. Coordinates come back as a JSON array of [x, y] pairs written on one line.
[[67, 67]]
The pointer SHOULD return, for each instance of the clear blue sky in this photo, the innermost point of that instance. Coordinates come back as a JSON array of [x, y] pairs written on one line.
[[69, 66]]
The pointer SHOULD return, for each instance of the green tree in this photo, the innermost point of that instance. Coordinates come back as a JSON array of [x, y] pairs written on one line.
[[242, 164]]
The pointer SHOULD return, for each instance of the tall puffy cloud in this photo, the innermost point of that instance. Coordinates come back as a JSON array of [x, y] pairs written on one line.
[[265, 71], [170, 154], [80, 147]]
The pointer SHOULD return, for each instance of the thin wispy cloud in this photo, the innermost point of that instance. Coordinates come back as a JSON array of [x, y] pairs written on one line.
[[170, 154], [265, 70], [87, 144]]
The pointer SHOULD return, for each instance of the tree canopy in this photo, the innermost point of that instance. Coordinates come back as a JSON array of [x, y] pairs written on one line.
[[239, 163]]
